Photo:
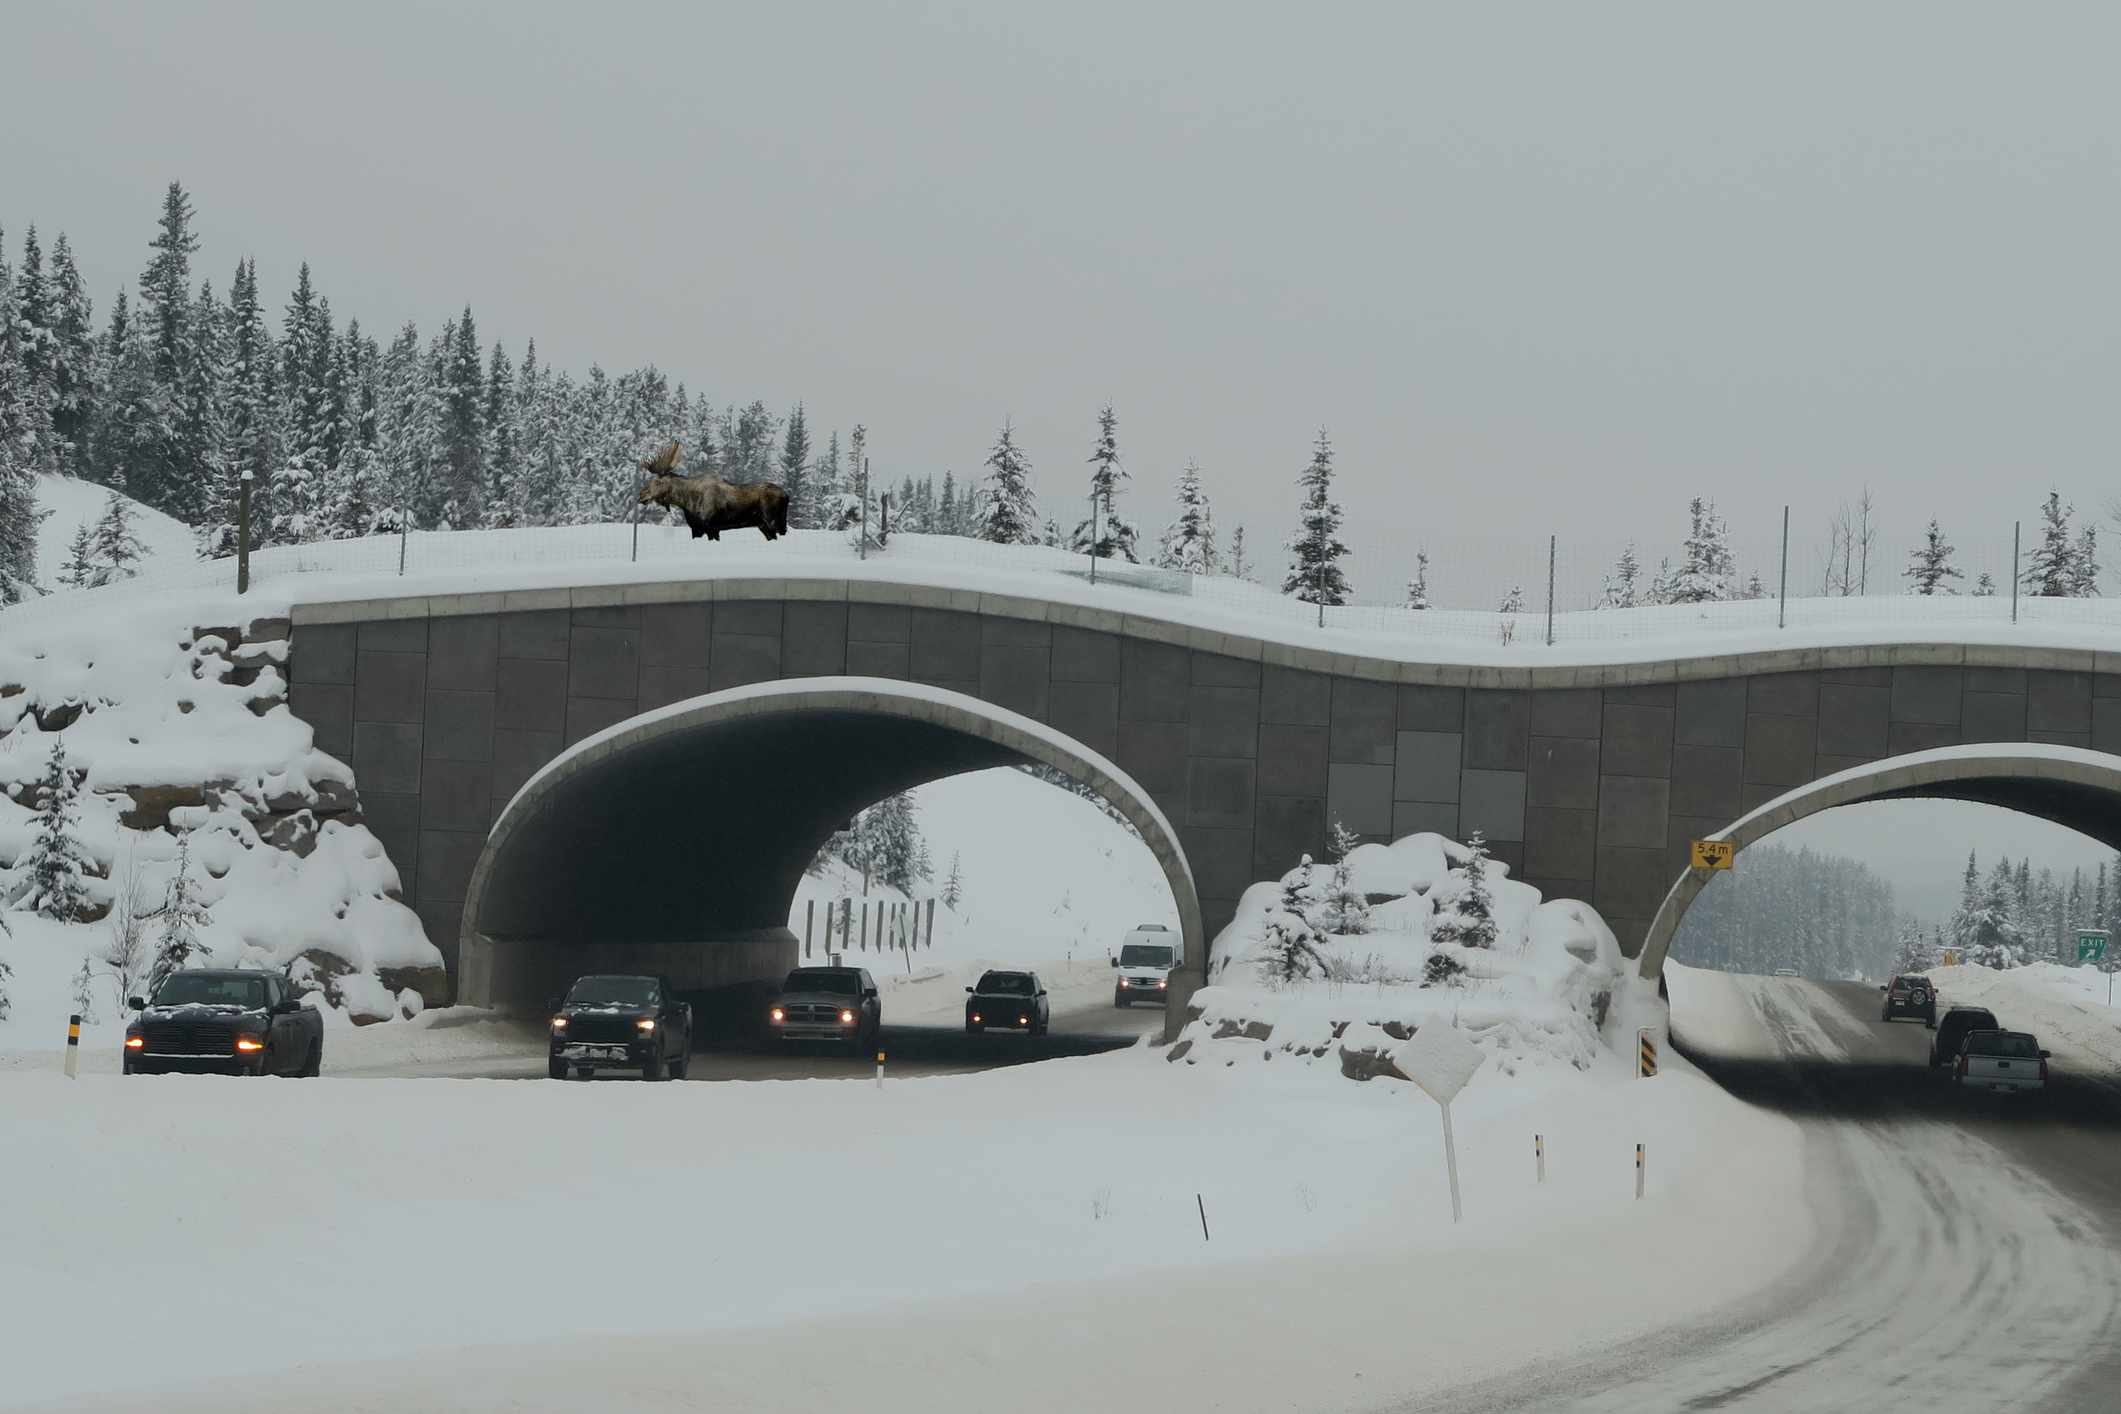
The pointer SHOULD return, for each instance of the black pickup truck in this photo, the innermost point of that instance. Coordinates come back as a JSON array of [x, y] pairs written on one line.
[[224, 1021], [621, 1023]]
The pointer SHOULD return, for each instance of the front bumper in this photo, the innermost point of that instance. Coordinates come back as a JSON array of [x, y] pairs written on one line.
[[147, 1063], [605, 1055], [816, 1030], [997, 1021], [1141, 991]]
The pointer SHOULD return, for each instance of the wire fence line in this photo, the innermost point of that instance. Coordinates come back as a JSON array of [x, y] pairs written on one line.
[[546, 556]]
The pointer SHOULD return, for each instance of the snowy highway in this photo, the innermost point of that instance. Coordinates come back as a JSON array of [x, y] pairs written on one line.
[[1969, 1250]]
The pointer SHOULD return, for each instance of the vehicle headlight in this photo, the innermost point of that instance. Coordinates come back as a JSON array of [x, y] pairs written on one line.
[[559, 1023], [1162, 982], [134, 1043], [249, 1043], [846, 1018], [645, 1025], [777, 1015]]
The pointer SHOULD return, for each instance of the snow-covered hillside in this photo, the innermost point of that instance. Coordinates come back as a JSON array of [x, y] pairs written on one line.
[[172, 724], [1046, 876], [69, 504], [1337, 969]]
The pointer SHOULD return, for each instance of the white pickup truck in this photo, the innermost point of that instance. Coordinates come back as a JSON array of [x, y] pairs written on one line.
[[2006, 1061]]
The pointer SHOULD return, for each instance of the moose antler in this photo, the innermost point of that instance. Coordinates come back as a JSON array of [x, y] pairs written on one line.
[[662, 463]]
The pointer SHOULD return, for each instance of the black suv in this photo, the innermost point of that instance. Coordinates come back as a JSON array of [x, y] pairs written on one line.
[[1008, 1001], [1910, 996], [621, 1023], [224, 1021], [828, 1004], [1952, 1028]]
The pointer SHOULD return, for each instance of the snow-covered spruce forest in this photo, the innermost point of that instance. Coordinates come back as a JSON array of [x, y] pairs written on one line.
[[178, 390]]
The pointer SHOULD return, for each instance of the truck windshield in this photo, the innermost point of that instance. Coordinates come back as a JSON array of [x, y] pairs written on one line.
[[841, 982], [607, 991], [196, 990], [1144, 955], [1006, 984]]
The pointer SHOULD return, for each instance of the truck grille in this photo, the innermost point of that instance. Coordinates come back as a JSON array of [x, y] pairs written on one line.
[[179, 1039], [812, 1014], [601, 1030]]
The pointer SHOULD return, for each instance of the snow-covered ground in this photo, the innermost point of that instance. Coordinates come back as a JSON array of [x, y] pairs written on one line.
[[1008, 1204], [2066, 1007], [165, 542]]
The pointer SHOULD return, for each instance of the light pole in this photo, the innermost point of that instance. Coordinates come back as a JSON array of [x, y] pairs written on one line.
[[243, 533], [1093, 532]]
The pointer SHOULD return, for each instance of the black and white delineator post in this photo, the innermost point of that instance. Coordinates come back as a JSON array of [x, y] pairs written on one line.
[[73, 1045], [879, 1070], [1441, 1059]]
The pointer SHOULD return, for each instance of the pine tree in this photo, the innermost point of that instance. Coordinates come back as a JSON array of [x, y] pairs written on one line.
[[1985, 586], [1104, 534], [1008, 513], [53, 886], [1706, 571], [183, 915], [19, 514], [1471, 921], [1240, 567], [1512, 602], [1189, 542], [1347, 908], [194, 468], [80, 570], [953, 883], [1293, 949], [156, 465], [251, 416], [795, 468], [1418, 586], [74, 381], [1930, 564], [85, 993], [2052, 570], [36, 344], [1622, 589], [116, 551], [2084, 564], [1316, 550]]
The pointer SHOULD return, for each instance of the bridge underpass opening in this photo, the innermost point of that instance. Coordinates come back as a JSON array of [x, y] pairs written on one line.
[[2077, 789], [674, 842]]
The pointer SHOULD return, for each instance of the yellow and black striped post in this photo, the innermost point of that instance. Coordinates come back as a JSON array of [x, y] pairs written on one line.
[[1646, 1064], [879, 1070], [73, 1045], [1539, 1154], [1638, 1170]]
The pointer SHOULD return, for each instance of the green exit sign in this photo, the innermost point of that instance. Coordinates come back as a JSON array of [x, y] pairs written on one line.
[[2091, 944]]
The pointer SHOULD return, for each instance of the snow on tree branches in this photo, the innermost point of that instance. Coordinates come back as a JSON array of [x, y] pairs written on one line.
[[1467, 917], [1316, 550], [1008, 514], [1293, 949], [1931, 563], [1104, 534], [1189, 542], [184, 915], [52, 886]]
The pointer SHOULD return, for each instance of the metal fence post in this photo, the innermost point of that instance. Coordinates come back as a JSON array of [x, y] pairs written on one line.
[[1552, 540], [404, 528], [637, 525], [1782, 596], [863, 553], [1093, 532], [2016, 527]]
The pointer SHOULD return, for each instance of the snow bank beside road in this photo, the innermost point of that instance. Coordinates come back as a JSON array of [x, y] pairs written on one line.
[[1051, 1181], [2064, 1006]]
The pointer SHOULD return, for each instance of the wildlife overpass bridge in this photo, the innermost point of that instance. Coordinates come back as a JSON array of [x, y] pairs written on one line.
[[689, 815]]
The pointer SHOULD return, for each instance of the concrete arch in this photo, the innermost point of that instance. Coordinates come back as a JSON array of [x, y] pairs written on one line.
[[605, 857], [2068, 785]]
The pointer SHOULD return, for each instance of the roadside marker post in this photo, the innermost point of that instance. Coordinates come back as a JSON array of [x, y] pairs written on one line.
[[73, 1045], [1202, 1205], [1539, 1154], [1441, 1059], [879, 1070], [1638, 1171], [1646, 1054]]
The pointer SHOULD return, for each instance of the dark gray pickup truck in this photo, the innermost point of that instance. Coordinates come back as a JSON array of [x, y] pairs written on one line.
[[224, 1021]]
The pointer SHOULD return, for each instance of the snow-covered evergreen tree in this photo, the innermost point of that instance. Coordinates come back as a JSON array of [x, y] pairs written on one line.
[[795, 469], [954, 883], [1316, 550], [156, 464], [85, 993], [1913, 952], [115, 549], [1418, 586], [19, 514], [2051, 570], [2084, 564], [183, 914], [1240, 565], [75, 383], [1706, 568], [1104, 534], [1470, 919], [1346, 909], [1008, 514], [79, 571], [1189, 542], [1513, 601], [52, 880], [1622, 587], [1985, 586], [1930, 564], [1294, 949]]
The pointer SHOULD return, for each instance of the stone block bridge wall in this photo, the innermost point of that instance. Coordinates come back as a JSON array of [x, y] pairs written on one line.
[[1589, 782]]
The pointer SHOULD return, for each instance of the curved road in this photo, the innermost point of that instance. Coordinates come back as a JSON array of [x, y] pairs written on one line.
[[1970, 1248]]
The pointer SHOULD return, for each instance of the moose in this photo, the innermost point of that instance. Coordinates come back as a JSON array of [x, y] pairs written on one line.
[[710, 504]]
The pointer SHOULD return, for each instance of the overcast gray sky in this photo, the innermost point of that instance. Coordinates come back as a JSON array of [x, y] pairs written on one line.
[[1540, 269]]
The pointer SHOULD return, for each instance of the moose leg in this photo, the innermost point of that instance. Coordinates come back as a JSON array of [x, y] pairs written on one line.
[[699, 527]]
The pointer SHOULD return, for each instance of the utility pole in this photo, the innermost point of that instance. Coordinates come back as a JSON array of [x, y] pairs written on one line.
[[1782, 596], [1093, 530], [2016, 527], [1552, 541]]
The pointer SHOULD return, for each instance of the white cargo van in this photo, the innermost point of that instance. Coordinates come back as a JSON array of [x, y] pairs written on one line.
[[1148, 955]]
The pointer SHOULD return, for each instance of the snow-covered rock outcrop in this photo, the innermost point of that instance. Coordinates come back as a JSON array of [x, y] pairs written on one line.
[[174, 720], [1334, 966]]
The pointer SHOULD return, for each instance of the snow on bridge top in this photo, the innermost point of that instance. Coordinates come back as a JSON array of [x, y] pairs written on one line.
[[458, 572]]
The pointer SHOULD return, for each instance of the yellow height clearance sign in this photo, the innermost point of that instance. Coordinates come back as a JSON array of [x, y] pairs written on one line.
[[1714, 854]]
